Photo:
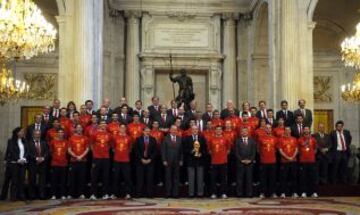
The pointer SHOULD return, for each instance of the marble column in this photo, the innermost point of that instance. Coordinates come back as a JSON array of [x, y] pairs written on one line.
[[229, 50], [132, 73]]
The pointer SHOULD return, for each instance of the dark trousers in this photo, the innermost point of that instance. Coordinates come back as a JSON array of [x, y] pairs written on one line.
[[340, 167], [122, 169], [307, 177], [37, 171], [267, 178], [159, 174], [172, 179], [196, 176], [6, 183], [17, 178], [218, 170], [288, 170], [322, 163], [58, 180], [244, 175], [144, 172], [77, 178], [232, 168], [100, 172]]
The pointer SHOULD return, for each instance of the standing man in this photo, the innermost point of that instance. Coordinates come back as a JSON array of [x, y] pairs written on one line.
[[154, 109], [323, 155], [307, 151], [298, 128], [341, 139], [284, 113], [306, 113], [145, 152], [207, 116], [37, 125], [262, 112], [38, 155], [245, 151], [55, 109], [172, 157], [226, 112]]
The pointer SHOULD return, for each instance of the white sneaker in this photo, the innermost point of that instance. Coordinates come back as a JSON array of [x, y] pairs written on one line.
[[127, 197], [213, 196], [105, 197], [262, 196], [92, 197], [283, 196], [303, 195], [314, 195], [69, 197], [274, 195], [224, 196], [160, 184], [113, 197], [295, 195], [63, 198], [53, 197], [82, 197]]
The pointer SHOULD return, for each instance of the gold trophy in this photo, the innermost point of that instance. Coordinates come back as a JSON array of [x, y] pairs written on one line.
[[197, 149]]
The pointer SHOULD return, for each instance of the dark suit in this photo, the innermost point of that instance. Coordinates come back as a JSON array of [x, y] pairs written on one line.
[[206, 117], [169, 120], [149, 121], [288, 117], [37, 168], [144, 170], [307, 118], [260, 115], [53, 114], [244, 151], [184, 122], [109, 113], [170, 112], [225, 113], [139, 112], [172, 153], [125, 119], [16, 171], [295, 131], [153, 112], [273, 123], [31, 129], [322, 159], [107, 118], [340, 158]]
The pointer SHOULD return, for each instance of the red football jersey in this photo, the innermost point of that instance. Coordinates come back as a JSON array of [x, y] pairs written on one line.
[[78, 145], [58, 150], [288, 145], [307, 149], [219, 148], [267, 149], [122, 148], [101, 144]]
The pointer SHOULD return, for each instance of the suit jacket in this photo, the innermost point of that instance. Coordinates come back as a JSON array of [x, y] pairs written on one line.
[[126, 120], [31, 128], [153, 112], [245, 152], [308, 116], [170, 152], [274, 123], [141, 112], [13, 152], [168, 122], [258, 114], [189, 155], [109, 113], [289, 119], [295, 131], [52, 113], [107, 120], [347, 137], [32, 150], [206, 117], [149, 123], [170, 112], [185, 122], [225, 113], [139, 149], [323, 142]]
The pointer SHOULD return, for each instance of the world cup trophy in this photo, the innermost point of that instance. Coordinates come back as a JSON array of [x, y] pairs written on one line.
[[197, 149]]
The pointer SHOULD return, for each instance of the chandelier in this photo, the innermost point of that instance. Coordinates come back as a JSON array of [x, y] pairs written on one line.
[[10, 88], [350, 50]]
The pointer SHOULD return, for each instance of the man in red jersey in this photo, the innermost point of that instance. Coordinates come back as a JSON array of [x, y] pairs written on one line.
[[261, 130], [58, 150], [114, 126], [267, 150], [135, 128], [159, 136], [216, 120], [180, 131], [234, 119], [91, 129], [101, 160], [78, 150], [73, 122], [245, 123], [64, 120], [307, 151], [122, 148], [280, 128], [288, 149], [253, 120], [219, 149], [208, 132], [85, 117], [188, 132], [52, 132], [230, 134]]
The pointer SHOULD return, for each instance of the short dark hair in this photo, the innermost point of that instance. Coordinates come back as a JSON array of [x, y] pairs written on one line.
[[87, 101], [339, 122], [283, 102]]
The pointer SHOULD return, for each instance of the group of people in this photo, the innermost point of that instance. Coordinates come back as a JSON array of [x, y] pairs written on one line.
[[127, 151]]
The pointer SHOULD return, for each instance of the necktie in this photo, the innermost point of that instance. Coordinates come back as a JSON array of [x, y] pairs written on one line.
[[245, 141], [173, 140], [210, 114], [264, 113], [303, 112], [146, 120], [285, 113], [163, 118], [146, 146], [46, 117], [343, 145], [37, 127], [156, 108], [300, 129], [38, 148]]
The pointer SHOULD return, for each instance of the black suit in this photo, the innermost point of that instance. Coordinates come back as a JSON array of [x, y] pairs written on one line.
[[225, 113], [169, 120], [37, 168], [31, 129], [295, 130], [170, 112], [244, 151], [15, 172], [146, 170], [148, 123], [109, 113], [288, 117], [322, 159], [184, 122], [206, 117], [260, 114], [153, 112], [340, 158], [125, 119], [139, 112], [307, 118], [53, 114]]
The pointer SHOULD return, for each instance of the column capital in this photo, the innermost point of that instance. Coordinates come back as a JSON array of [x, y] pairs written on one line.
[[132, 14], [228, 16]]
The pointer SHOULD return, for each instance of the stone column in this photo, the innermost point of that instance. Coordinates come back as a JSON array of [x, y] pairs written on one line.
[[132, 73], [229, 50]]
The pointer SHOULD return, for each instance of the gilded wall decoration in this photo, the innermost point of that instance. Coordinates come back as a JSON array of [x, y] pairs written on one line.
[[322, 89], [42, 85]]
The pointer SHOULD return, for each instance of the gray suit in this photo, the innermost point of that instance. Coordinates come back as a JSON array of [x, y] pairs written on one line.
[[172, 153]]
